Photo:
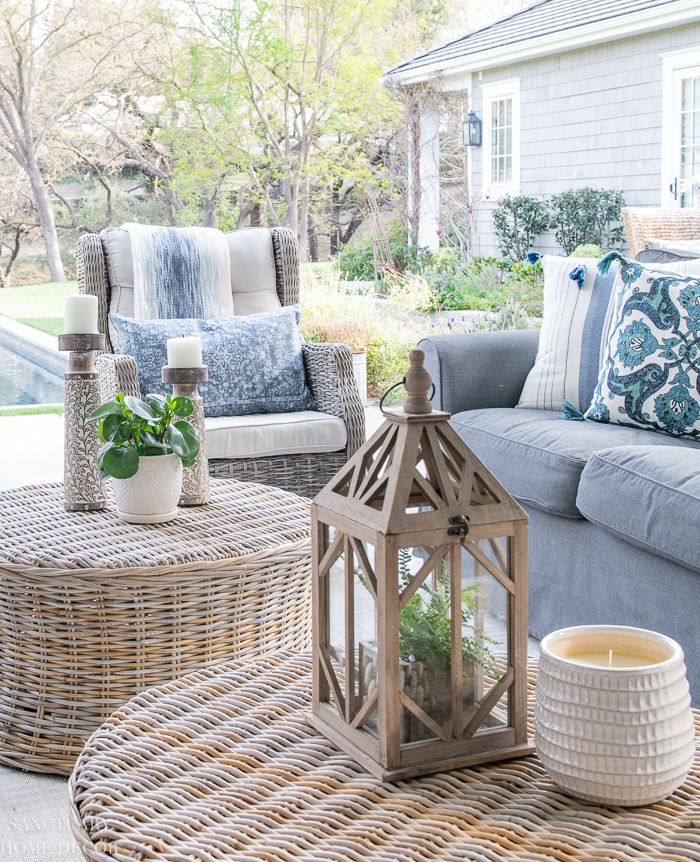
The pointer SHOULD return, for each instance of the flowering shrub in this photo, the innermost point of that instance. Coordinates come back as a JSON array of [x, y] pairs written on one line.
[[332, 315]]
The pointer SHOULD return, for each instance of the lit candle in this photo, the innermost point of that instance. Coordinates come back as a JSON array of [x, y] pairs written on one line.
[[185, 352], [80, 315]]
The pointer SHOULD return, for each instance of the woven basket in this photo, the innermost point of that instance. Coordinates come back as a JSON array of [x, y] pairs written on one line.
[[223, 766], [643, 223], [93, 610]]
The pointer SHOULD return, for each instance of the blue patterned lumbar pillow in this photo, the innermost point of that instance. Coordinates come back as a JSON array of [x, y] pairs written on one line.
[[650, 378], [255, 362]]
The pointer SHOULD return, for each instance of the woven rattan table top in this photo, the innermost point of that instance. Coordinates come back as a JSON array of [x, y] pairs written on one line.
[[243, 519], [221, 765]]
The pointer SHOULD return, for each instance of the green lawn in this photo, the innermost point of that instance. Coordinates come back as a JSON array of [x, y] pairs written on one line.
[[31, 410], [38, 305]]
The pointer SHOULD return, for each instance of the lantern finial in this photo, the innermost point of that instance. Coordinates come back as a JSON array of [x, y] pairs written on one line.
[[417, 382]]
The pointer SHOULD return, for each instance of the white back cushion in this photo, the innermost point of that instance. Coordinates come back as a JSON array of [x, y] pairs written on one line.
[[253, 275]]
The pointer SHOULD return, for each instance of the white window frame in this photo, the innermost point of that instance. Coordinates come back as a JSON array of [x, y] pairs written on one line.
[[491, 93], [687, 60]]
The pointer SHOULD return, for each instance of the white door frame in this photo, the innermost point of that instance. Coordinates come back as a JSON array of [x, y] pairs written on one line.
[[676, 66]]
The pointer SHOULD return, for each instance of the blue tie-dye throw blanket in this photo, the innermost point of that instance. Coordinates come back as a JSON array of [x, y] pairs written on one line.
[[180, 272]]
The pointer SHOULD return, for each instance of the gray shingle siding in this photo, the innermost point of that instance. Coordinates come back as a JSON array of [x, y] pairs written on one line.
[[590, 117]]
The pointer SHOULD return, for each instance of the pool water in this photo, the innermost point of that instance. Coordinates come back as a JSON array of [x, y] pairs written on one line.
[[23, 382]]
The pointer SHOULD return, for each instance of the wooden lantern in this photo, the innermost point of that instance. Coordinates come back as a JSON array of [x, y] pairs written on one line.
[[413, 539]]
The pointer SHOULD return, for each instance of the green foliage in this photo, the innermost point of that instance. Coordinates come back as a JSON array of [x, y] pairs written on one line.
[[517, 220], [424, 625], [588, 250], [586, 216], [131, 428], [357, 260], [511, 315], [390, 336]]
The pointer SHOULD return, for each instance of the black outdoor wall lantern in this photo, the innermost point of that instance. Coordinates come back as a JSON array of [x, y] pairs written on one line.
[[471, 131]]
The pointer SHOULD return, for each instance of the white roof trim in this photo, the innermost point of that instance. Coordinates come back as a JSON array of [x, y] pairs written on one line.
[[632, 24]]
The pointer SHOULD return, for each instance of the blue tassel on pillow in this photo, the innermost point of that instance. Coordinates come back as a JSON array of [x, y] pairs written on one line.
[[578, 274], [533, 257], [568, 411], [606, 262]]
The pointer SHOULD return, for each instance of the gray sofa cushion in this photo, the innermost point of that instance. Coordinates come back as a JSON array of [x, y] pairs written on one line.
[[539, 457], [647, 495]]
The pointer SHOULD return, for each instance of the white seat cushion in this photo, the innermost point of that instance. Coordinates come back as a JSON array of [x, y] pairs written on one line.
[[263, 434]]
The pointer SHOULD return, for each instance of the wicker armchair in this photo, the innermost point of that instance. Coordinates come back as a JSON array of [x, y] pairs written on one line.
[[642, 223], [328, 367]]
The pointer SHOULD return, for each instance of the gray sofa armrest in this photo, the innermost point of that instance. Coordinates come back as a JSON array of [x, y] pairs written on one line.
[[117, 374], [480, 369], [334, 388]]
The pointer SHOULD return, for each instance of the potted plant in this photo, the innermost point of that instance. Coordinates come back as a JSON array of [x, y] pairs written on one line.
[[145, 447], [425, 644]]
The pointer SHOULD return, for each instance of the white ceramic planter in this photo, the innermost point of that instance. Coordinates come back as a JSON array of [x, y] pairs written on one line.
[[151, 495], [616, 736], [359, 369]]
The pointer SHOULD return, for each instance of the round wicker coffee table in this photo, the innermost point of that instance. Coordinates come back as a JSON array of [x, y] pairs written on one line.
[[221, 765], [93, 610]]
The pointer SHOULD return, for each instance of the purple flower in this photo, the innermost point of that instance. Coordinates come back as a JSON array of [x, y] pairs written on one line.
[[438, 232]]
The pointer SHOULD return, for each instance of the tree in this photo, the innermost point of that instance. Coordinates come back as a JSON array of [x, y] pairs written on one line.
[[53, 57], [280, 106]]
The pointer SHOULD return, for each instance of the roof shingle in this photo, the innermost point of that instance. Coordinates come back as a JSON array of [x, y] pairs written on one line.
[[543, 18]]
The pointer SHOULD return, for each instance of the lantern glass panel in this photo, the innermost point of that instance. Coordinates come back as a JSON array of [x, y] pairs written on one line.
[[352, 630], [486, 629]]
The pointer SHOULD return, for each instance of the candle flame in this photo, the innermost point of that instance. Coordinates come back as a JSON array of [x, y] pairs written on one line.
[[609, 658]]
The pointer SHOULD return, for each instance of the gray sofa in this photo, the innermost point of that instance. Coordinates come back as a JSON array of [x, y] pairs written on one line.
[[614, 529]]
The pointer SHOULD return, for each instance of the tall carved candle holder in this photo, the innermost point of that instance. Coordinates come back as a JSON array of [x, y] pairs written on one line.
[[196, 488], [82, 489]]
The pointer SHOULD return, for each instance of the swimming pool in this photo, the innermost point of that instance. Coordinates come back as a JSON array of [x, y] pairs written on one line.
[[23, 382]]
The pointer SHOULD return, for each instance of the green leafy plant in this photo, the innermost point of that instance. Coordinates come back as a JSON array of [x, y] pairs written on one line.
[[587, 249], [517, 220], [587, 216], [425, 630], [131, 428]]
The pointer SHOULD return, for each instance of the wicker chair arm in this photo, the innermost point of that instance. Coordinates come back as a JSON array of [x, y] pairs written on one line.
[[286, 253], [334, 388], [117, 374], [91, 267]]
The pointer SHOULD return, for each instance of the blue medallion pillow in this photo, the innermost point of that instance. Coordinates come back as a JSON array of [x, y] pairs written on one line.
[[650, 376], [255, 361]]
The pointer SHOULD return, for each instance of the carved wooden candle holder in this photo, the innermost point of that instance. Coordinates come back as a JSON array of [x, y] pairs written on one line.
[[195, 480], [82, 489]]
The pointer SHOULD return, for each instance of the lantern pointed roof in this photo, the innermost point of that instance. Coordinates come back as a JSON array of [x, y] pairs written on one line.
[[417, 474]]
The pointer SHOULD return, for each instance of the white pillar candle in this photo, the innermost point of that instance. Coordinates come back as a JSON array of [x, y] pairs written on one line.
[[185, 352], [80, 315]]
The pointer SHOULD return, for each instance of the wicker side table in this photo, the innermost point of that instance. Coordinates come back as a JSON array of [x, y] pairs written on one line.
[[93, 610], [221, 765]]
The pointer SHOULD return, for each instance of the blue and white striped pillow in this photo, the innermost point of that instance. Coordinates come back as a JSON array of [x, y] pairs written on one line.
[[576, 318]]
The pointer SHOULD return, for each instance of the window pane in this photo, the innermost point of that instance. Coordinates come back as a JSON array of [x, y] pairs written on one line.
[[502, 140]]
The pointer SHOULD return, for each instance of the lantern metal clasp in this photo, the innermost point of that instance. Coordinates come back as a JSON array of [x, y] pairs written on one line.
[[460, 526]]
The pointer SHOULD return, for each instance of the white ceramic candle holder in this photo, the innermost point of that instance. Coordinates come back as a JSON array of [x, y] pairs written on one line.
[[196, 488], [614, 735], [82, 489]]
